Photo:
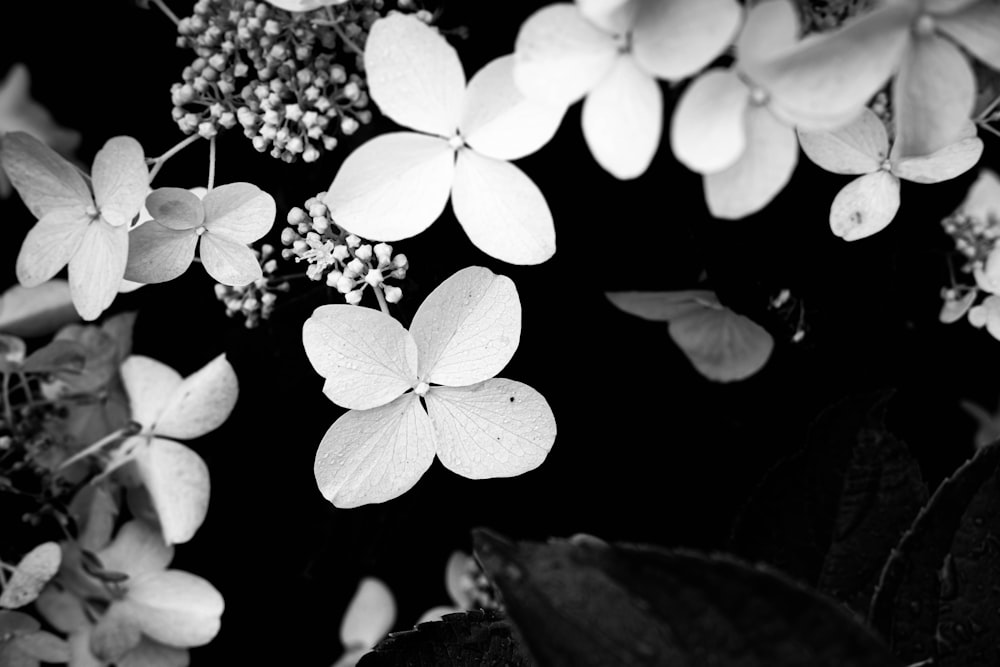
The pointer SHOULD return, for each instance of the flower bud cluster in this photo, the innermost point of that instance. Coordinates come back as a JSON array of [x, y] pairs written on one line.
[[974, 237], [294, 81], [345, 261], [254, 301], [824, 15]]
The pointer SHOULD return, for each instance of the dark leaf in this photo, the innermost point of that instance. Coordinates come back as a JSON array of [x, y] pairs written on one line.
[[584, 603], [470, 639], [831, 514], [940, 591]]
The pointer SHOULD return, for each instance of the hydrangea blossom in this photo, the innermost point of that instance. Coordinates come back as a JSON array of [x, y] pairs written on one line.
[[86, 229], [722, 345], [869, 203], [612, 52], [396, 185], [221, 226], [430, 390]]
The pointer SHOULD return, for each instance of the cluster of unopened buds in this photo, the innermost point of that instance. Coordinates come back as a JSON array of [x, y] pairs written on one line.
[[345, 261], [254, 301], [974, 237], [292, 80]]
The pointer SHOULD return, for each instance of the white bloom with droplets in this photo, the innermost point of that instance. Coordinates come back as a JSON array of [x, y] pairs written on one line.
[[396, 185], [430, 390]]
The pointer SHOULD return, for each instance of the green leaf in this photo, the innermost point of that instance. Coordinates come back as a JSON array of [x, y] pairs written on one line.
[[470, 639], [831, 514], [585, 603], [939, 592]]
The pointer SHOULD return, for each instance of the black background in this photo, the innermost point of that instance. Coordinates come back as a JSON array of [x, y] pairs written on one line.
[[647, 450]]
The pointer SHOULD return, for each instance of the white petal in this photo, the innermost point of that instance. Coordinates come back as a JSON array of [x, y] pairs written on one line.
[[857, 148], [988, 276], [174, 208], [366, 356], [983, 198], [414, 75], [708, 131], [97, 268], [951, 161], [674, 39], [932, 97], [62, 609], [35, 311], [865, 206], [393, 186], [152, 654], [614, 16], [371, 456], [49, 245], [175, 608], [121, 180], [304, 5], [33, 571], [622, 120], [977, 29], [987, 313], [178, 484], [954, 309], [760, 174], [229, 262], [369, 616], [157, 254], [240, 212], [663, 306], [201, 402], [499, 121], [459, 574], [827, 79], [498, 428], [149, 385], [502, 210], [137, 550], [114, 634], [468, 328], [722, 345], [559, 55], [45, 180], [771, 28], [40, 646]]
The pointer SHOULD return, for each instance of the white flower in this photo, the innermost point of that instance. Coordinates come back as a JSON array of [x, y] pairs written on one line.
[[88, 231], [722, 345], [221, 225], [394, 186], [369, 616], [869, 203], [612, 52], [462, 335]]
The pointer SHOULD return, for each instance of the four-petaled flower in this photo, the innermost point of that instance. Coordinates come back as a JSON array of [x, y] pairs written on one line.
[[397, 184], [428, 390]]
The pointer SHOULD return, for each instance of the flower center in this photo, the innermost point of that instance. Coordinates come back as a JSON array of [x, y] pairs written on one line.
[[199, 230], [924, 25], [758, 96], [92, 212], [421, 389], [456, 142], [886, 165]]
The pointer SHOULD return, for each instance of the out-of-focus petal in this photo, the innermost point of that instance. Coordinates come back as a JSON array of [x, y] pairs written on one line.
[[673, 39], [771, 28], [559, 55], [239, 211], [97, 268], [858, 148], [953, 310], [983, 198], [201, 403], [987, 314], [367, 357], [45, 180], [761, 172], [369, 616], [178, 484], [175, 608], [414, 75], [951, 161], [229, 262], [136, 550], [708, 131], [502, 210], [157, 254], [622, 120], [932, 97], [121, 180], [498, 428], [722, 345], [392, 187], [988, 277], [499, 121], [826, 79], [33, 571], [148, 653], [149, 384], [36, 311], [663, 306], [468, 328], [614, 16], [50, 245], [977, 29], [371, 456], [865, 206]]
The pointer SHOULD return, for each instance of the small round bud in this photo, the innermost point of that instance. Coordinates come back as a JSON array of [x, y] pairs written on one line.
[[353, 241], [400, 261], [345, 284], [270, 266], [333, 278], [357, 266], [364, 253], [221, 291], [288, 236], [353, 298], [317, 210], [341, 252], [383, 251], [392, 294], [373, 277]]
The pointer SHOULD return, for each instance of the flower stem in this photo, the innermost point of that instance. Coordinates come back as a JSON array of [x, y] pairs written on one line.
[[335, 24], [92, 449], [211, 163], [992, 130], [166, 10], [8, 412], [988, 110], [181, 145], [381, 299]]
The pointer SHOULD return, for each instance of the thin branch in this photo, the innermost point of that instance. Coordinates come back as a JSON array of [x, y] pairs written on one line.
[[211, 163], [166, 10]]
